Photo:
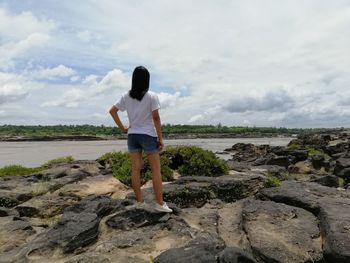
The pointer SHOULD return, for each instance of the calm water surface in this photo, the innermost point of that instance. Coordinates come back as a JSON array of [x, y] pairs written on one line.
[[32, 154]]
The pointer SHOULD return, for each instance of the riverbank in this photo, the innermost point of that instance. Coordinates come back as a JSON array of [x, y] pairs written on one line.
[[124, 137]]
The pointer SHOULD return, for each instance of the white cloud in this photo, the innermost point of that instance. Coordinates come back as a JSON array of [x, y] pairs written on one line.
[[278, 100], [232, 57], [90, 80], [115, 79], [168, 100], [11, 88], [74, 78], [60, 71], [10, 93], [90, 89], [70, 99], [10, 50], [20, 34], [208, 115], [15, 27]]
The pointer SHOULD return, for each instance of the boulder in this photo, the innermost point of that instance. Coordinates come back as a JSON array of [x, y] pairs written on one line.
[[4, 211], [238, 166], [342, 168], [100, 205], [203, 249], [275, 170], [327, 180], [235, 255], [337, 148], [281, 233], [318, 161], [14, 232], [136, 217], [195, 191], [47, 205], [297, 155], [283, 161], [317, 141], [97, 185], [247, 152], [77, 228], [303, 167], [331, 205]]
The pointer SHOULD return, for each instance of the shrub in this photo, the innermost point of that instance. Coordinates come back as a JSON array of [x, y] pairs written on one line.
[[195, 161], [120, 163], [272, 181]]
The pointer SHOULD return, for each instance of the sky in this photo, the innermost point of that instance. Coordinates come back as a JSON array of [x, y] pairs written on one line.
[[271, 63]]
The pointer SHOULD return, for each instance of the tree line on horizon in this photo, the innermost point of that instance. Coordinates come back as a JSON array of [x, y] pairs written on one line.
[[102, 130]]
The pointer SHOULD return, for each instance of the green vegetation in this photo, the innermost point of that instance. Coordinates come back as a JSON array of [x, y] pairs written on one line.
[[65, 159], [17, 170], [195, 161], [61, 130], [21, 170], [294, 146], [313, 151], [272, 181], [188, 160], [120, 163]]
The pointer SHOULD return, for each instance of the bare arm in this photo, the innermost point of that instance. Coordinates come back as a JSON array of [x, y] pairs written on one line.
[[158, 126], [114, 112]]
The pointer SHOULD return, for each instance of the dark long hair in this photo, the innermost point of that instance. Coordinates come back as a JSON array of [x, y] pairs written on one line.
[[140, 83]]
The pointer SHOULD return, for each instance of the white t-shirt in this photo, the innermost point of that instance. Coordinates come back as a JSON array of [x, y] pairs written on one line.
[[140, 112]]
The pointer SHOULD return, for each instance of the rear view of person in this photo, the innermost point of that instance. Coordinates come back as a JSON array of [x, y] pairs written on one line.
[[144, 132]]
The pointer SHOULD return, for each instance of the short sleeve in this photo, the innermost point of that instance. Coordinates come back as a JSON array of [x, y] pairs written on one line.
[[120, 104], [155, 105]]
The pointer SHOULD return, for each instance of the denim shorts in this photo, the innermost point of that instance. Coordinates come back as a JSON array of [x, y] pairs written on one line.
[[139, 142]]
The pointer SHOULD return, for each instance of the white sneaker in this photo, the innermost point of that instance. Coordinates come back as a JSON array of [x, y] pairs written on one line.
[[163, 208]]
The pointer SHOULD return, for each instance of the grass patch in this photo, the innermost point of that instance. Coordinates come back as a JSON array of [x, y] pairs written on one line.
[[22, 170], [294, 146], [18, 170], [313, 151], [50, 163], [272, 181]]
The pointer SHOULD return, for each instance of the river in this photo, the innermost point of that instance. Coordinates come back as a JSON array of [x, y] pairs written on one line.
[[33, 154]]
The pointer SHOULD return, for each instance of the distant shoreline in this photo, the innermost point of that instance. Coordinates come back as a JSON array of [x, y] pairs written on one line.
[[123, 137]]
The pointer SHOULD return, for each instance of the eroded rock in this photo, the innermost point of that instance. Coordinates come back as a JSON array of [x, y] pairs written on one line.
[[281, 233], [331, 205]]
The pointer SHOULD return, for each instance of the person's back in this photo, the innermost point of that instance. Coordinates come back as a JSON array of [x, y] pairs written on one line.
[[144, 132], [140, 112]]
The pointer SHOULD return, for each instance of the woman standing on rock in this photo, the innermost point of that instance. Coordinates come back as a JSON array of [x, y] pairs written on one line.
[[144, 132]]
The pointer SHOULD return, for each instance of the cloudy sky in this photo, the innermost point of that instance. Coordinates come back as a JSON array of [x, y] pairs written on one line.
[[247, 63]]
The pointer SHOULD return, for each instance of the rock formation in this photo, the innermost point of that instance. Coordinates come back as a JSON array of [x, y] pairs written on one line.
[[79, 212]]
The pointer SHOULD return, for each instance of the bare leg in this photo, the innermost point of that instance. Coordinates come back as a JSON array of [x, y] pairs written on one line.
[[136, 162], [154, 162]]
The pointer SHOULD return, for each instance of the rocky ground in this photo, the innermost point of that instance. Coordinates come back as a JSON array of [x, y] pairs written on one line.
[[79, 212]]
